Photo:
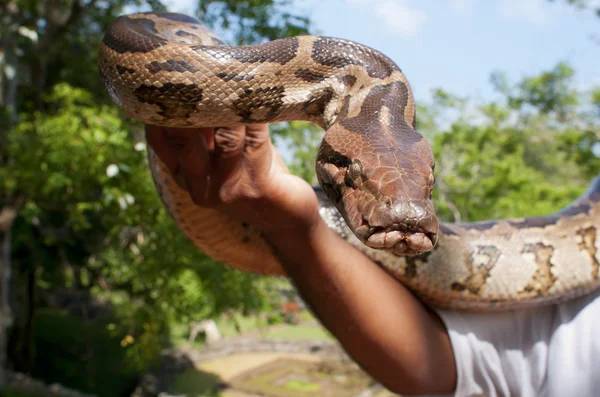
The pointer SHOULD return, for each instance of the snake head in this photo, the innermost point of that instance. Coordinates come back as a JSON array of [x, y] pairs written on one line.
[[384, 194]]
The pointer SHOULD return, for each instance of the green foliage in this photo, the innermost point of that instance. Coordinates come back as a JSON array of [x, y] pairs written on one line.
[[547, 92], [16, 393], [96, 206], [82, 354], [92, 219], [538, 145], [595, 100], [483, 173], [196, 383], [300, 141], [63, 156], [584, 4], [252, 21]]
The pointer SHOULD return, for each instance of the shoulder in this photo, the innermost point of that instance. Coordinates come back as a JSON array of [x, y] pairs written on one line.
[[523, 352]]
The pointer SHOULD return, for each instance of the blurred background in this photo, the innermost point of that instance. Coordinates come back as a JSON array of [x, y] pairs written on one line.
[[99, 291]]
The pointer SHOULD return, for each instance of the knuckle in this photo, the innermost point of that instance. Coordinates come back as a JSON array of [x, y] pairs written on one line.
[[256, 138], [229, 141]]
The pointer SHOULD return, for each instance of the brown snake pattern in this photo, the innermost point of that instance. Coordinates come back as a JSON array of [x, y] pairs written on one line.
[[375, 170]]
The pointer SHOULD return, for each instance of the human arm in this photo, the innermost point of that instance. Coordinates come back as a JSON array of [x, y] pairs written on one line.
[[378, 321]]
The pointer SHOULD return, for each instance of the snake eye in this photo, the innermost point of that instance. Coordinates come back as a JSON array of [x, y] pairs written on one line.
[[354, 173], [355, 170], [431, 181], [431, 184]]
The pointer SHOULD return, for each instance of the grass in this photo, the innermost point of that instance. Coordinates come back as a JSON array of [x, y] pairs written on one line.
[[299, 378], [302, 385], [246, 324], [306, 330], [313, 331], [307, 316], [180, 332], [196, 383], [82, 354]]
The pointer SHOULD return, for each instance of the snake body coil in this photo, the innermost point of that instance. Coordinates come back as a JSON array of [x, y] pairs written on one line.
[[375, 170]]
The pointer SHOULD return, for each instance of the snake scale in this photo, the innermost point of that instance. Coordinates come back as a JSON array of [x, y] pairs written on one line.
[[375, 169]]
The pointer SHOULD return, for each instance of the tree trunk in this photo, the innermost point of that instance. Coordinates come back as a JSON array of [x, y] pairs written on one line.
[[9, 203], [7, 217], [5, 314], [21, 346]]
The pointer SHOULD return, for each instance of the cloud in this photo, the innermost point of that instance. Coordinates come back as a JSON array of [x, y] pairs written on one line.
[[463, 8], [397, 15], [534, 11]]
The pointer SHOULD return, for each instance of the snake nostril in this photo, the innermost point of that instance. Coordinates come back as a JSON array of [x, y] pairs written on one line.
[[417, 210], [412, 210], [433, 237]]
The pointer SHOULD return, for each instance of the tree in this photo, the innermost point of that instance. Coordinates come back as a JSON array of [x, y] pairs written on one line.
[[537, 145], [584, 4], [253, 21], [23, 38], [76, 195]]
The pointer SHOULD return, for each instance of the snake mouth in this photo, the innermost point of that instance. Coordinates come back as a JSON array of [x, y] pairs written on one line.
[[406, 228], [407, 242], [395, 219]]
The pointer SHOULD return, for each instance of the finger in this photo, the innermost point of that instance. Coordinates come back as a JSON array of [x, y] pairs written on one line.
[[229, 150], [156, 136], [258, 150], [194, 159], [257, 139], [167, 151]]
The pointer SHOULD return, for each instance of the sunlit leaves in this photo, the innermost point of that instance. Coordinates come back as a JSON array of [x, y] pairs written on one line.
[[252, 21], [298, 142], [91, 197], [530, 153], [550, 91]]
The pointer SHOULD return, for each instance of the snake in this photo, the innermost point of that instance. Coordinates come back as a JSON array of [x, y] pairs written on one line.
[[375, 171]]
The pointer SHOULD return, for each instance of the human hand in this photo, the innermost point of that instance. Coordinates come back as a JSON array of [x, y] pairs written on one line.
[[238, 171]]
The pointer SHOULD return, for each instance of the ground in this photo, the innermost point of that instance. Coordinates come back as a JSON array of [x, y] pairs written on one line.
[[277, 361]]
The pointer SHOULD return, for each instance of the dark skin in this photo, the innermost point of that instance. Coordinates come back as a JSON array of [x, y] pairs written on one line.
[[382, 326]]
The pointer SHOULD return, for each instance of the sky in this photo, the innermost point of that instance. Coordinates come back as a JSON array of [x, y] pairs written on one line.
[[456, 44]]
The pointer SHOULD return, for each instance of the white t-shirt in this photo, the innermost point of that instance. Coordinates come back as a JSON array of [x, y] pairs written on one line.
[[547, 351]]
